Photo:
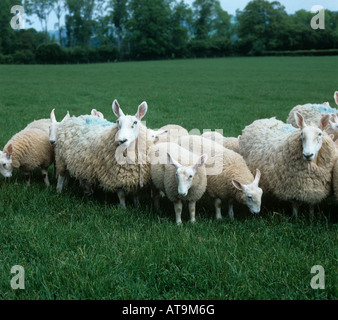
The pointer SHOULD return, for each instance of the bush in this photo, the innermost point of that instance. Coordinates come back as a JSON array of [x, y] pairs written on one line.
[[50, 53], [23, 57]]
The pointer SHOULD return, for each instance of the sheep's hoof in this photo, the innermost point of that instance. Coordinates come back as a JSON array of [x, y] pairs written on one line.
[[193, 220], [179, 223]]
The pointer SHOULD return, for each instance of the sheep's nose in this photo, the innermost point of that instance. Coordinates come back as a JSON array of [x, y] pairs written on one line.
[[52, 141], [122, 141], [307, 156]]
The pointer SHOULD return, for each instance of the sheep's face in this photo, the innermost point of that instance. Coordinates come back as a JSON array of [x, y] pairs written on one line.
[[185, 174], [312, 142], [311, 136], [155, 134], [54, 126], [128, 126], [251, 193], [6, 164], [334, 124]]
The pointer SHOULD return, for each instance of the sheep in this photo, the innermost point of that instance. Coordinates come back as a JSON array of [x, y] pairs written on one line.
[[227, 142], [27, 150], [96, 113], [111, 157], [168, 133], [54, 126], [335, 176], [42, 124], [312, 114], [228, 176], [180, 174], [296, 164]]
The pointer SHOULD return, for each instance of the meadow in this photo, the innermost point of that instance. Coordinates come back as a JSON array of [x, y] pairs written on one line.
[[77, 247]]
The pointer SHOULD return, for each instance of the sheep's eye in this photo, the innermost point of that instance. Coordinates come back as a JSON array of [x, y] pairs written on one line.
[[190, 177], [319, 134], [135, 122], [250, 198]]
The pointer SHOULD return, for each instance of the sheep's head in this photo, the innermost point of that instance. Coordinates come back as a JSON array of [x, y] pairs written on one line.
[[128, 126], [6, 168], [155, 134], [185, 174], [334, 124], [54, 126], [311, 136], [251, 193]]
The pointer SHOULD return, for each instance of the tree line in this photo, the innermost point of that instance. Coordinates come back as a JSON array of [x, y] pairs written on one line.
[[109, 30]]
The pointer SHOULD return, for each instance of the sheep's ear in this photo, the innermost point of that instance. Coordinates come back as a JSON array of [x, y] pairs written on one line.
[[257, 177], [332, 136], [9, 150], [173, 162], [67, 116], [237, 185], [336, 97], [100, 114], [117, 110], [239, 137], [336, 143], [299, 120], [326, 104], [324, 121], [201, 161], [335, 117], [93, 112], [141, 110], [52, 116]]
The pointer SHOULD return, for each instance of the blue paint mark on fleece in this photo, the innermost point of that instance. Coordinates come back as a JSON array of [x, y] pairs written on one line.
[[323, 108], [289, 128], [99, 122]]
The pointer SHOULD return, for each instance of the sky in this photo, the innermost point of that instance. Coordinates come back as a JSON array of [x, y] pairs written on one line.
[[231, 6]]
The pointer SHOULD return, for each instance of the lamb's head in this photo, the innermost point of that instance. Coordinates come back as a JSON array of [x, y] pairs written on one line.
[[185, 174], [251, 193], [96, 113], [6, 162], [311, 136], [155, 134], [128, 126], [54, 126], [334, 123]]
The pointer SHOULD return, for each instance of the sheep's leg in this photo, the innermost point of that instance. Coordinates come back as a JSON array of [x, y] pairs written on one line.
[[61, 183], [218, 206], [192, 211], [45, 176], [28, 178], [178, 211], [295, 207], [122, 198], [156, 196], [136, 201], [231, 209]]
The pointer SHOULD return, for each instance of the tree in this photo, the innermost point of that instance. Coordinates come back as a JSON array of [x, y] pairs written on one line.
[[58, 8], [148, 31], [119, 18]]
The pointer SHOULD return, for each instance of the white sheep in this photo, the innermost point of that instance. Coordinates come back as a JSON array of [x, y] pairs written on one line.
[[231, 143], [111, 157], [228, 176], [27, 150], [312, 114], [296, 164], [96, 113], [168, 133], [178, 173]]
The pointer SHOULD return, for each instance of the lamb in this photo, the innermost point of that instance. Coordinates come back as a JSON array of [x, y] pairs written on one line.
[[227, 142], [96, 113], [228, 176], [180, 174], [296, 164], [27, 150], [168, 133], [111, 157]]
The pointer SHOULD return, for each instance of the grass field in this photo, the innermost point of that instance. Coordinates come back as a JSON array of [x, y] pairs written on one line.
[[77, 247]]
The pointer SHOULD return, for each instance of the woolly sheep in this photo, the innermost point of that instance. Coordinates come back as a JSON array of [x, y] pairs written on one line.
[[227, 142], [168, 133], [111, 157], [296, 164], [180, 174], [27, 150], [228, 176], [312, 114]]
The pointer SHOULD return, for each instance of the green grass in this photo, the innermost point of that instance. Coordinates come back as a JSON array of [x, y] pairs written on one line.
[[77, 247]]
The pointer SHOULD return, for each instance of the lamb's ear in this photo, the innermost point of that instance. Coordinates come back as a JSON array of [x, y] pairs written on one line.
[[141, 110], [100, 114], [52, 116], [173, 162], [324, 121], [257, 177], [117, 110], [336, 97], [332, 136], [67, 116], [335, 117], [300, 122], [237, 185], [93, 112], [201, 161], [9, 151]]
